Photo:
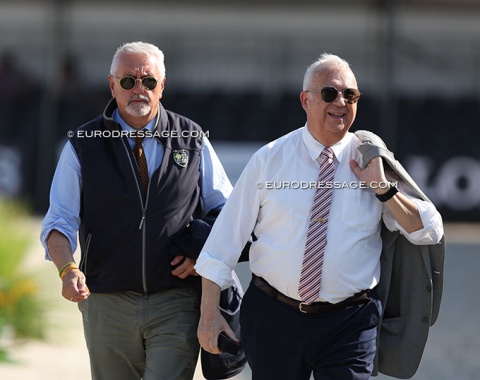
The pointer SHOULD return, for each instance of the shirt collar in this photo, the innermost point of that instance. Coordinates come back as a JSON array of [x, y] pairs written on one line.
[[314, 148]]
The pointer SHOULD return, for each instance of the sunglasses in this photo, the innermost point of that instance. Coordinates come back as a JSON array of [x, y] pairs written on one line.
[[129, 82], [330, 93]]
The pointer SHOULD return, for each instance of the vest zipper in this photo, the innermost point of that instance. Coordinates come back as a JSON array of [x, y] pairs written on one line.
[[142, 225], [144, 253]]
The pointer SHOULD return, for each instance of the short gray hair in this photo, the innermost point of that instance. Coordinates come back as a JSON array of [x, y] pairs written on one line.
[[325, 62], [139, 47]]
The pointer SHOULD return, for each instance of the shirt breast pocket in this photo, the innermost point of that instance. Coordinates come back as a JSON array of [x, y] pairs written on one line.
[[360, 209]]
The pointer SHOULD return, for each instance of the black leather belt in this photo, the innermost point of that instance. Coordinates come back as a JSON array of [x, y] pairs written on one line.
[[314, 308]]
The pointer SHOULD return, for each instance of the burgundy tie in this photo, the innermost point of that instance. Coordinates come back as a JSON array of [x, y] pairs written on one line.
[[310, 277], [139, 154]]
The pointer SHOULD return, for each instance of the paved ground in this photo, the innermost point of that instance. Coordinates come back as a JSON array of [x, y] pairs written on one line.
[[452, 351]]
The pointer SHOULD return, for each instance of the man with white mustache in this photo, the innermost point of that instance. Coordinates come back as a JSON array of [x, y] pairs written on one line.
[[140, 206]]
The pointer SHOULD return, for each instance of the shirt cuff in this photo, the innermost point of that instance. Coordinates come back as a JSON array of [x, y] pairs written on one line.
[[214, 270], [432, 231], [64, 229]]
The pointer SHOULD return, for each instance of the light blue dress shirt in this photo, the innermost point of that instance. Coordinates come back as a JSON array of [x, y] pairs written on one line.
[[64, 211]]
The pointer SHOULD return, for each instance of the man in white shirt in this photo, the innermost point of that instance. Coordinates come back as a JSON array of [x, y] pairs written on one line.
[[332, 334]]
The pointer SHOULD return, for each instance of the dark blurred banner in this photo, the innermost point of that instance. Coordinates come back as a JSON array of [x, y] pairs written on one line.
[[236, 68], [443, 160], [452, 184]]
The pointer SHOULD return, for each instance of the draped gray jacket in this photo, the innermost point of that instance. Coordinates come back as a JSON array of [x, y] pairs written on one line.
[[410, 286]]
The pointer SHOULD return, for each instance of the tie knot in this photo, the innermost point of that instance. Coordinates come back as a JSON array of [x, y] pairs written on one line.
[[327, 153], [139, 140]]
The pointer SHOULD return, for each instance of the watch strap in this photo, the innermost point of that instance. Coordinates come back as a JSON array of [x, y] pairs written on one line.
[[389, 194]]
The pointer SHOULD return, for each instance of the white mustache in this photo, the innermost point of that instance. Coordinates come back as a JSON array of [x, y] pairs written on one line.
[[139, 97]]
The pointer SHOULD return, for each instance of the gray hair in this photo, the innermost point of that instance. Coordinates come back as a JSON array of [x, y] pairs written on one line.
[[325, 62], [139, 47]]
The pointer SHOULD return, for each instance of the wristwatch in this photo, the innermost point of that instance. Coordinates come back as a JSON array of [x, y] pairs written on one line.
[[389, 194]]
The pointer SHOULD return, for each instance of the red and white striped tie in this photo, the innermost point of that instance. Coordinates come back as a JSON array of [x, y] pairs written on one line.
[[310, 277]]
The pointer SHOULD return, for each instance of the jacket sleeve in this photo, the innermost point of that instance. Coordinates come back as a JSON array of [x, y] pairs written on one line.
[[190, 240]]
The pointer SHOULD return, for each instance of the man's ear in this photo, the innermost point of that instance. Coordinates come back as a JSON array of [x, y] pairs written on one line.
[[304, 100], [111, 79]]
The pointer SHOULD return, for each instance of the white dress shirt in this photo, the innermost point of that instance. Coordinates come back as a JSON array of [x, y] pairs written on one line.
[[273, 198]]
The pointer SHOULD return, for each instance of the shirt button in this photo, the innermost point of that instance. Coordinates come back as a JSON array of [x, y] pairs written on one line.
[[428, 288]]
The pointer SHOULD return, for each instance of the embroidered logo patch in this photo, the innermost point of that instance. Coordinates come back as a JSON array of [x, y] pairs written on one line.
[[180, 156]]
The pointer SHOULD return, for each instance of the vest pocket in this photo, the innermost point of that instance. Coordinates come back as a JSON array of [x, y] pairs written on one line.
[[83, 260]]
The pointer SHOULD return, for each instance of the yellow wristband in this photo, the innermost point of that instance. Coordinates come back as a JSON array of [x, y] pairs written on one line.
[[67, 268], [66, 265]]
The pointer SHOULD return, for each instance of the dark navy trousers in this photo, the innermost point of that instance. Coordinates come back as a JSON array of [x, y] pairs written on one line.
[[283, 343]]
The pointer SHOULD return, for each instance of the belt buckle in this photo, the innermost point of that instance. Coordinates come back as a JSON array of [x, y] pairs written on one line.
[[300, 307]]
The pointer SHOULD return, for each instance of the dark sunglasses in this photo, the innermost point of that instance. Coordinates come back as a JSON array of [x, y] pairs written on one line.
[[330, 93], [129, 82]]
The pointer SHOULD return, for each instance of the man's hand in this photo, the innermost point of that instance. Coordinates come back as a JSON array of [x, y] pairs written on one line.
[[211, 320], [403, 209], [74, 287], [373, 175], [186, 267]]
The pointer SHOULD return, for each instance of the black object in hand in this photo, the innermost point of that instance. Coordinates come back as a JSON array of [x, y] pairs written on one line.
[[227, 344]]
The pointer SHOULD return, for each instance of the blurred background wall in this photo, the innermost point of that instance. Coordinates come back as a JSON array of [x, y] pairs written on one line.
[[237, 67]]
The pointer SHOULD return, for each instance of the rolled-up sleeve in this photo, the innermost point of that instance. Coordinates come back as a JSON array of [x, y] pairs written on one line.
[[63, 214], [214, 269], [432, 231]]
